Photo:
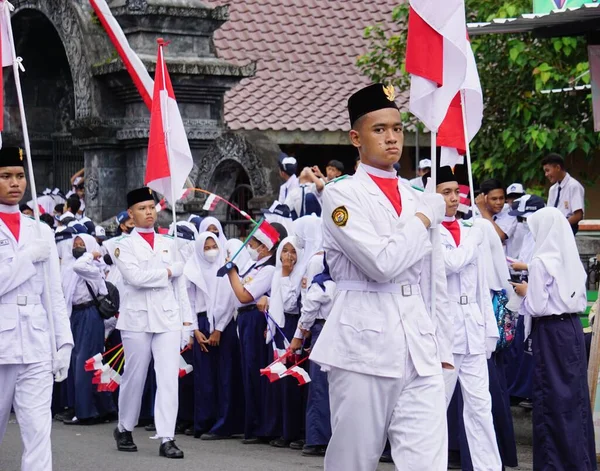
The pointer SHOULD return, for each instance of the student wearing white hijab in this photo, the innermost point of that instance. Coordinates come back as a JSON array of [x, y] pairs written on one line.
[[82, 273], [217, 371], [284, 309], [563, 431], [212, 224]]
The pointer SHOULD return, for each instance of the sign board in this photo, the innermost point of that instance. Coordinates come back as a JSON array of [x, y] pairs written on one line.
[[546, 6]]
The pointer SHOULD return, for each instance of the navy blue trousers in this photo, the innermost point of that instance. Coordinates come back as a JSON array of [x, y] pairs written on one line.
[[262, 416], [563, 430], [519, 371], [88, 336], [218, 391], [503, 425], [292, 395], [318, 419]]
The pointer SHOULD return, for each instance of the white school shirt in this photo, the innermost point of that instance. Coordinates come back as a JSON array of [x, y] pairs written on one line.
[[88, 270], [508, 224], [543, 298], [417, 182], [317, 304], [294, 198], [572, 195], [257, 281], [287, 187]]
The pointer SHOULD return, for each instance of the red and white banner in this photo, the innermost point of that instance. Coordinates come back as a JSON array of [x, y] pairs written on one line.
[[134, 65], [211, 203], [7, 56], [299, 373], [436, 57], [169, 156]]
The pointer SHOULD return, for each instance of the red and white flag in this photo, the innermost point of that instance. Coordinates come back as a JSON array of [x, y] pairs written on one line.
[[7, 55], [134, 65], [299, 373], [451, 134], [184, 367], [436, 57], [211, 203], [169, 156], [274, 371]]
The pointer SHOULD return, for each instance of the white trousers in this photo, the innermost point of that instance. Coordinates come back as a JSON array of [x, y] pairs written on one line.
[[366, 409], [472, 373], [140, 348], [28, 388]]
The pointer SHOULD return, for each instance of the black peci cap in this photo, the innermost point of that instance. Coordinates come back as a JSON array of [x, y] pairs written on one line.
[[372, 98], [138, 196], [11, 157]]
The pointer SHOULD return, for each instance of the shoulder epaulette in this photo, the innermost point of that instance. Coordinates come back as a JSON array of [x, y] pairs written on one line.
[[121, 237], [167, 236], [422, 190], [466, 223], [340, 178]]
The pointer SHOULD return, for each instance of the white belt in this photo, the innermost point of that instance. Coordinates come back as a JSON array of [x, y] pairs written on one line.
[[21, 299], [404, 289], [463, 300]]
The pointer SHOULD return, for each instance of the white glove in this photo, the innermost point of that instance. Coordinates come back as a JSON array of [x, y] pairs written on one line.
[[433, 207], [176, 269], [38, 251], [60, 366], [185, 338], [490, 346]]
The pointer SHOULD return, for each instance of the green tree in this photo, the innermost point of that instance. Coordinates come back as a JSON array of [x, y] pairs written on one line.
[[520, 124]]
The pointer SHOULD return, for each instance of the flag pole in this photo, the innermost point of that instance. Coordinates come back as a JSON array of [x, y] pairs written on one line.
[[164, 95], [17, 66], [463, 106], [435, 231]]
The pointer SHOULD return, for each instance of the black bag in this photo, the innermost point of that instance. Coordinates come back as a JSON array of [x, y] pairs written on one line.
[[108, 306]]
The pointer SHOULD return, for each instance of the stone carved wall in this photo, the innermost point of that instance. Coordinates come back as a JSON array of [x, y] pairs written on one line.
[[64, 16]]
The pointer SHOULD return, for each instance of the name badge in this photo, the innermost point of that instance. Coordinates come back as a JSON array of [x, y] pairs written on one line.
[[4, 242]]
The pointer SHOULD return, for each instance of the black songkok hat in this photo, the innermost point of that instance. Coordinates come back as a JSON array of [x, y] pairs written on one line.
[[138, 196], [372, 98], [12, 157], [446, 174]]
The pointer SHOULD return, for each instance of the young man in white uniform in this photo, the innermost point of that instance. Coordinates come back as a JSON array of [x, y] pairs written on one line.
[[383, 347], [475, 330], [26, 367], [155, 315]]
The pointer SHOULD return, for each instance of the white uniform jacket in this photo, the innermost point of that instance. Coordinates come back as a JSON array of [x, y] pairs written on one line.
[[469, 296], [24, 328], [150, 300], [369, 245]]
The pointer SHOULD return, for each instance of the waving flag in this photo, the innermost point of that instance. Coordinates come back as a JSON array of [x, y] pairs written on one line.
[[211, 203], [134, 65], [299, 373], [436, 57], [169, 156], [451, 134], [7, 58]]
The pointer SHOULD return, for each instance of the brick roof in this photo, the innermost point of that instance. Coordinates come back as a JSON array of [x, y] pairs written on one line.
[[305, 51]]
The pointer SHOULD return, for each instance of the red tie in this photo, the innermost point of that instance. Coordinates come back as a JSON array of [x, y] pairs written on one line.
[[148, 237], [454, 229], [389, 187], [13, 222]]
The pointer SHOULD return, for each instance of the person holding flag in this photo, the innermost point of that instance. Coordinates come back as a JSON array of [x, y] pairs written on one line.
[[383, 347], [155, 316], [27, 362]]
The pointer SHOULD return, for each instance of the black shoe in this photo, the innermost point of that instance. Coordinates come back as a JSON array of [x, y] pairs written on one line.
[[280, 443], [150, 428], [76, 421], [297, 444], [385, 458], [180, 429], [170, 450], [255, 441], [213, 436], [67, 414], [314, 450], [526, 404], [124, 440]]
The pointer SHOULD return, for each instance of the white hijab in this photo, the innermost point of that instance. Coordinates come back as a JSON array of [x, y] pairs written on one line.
[[555, 247], [201, 272], [212, 221], [309, 232], [68, 276], [276, 310], [243, 260]]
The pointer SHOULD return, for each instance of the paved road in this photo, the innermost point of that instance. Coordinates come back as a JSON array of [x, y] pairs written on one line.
[[79, 448]]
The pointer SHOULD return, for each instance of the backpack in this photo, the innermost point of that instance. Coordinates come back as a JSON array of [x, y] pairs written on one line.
[[108, 306], [505, 319]]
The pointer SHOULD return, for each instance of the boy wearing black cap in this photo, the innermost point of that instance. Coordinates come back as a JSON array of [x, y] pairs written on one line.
[[155, 316], [26, 369], [475, 330], [379, 344]]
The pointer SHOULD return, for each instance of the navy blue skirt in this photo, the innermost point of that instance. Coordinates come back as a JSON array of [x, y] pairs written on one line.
[[519, 365]]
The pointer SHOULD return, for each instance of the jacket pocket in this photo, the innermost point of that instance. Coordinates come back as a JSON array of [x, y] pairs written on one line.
[[39, 322], [360, 335], [8, 321]]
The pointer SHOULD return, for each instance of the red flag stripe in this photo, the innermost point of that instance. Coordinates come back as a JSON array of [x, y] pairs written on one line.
[[424, 50], [452, 132]]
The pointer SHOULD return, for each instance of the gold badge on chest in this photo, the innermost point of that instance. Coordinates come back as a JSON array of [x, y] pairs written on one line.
[[117, 252], [340, 216]]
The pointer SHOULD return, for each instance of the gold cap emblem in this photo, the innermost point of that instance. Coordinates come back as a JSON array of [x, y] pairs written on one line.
[[150, 190], [20, 153], [389, 91]]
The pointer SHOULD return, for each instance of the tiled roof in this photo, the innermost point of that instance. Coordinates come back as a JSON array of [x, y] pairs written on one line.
[[305, 51]]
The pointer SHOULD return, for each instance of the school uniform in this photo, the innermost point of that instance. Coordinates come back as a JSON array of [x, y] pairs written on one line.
[[508, 224], [475, 336], [88, 332], [26, 369], [567, 196], [298, 199], [286, 188], [261, 417], [381, 346], [153, 310], [563, 429]]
